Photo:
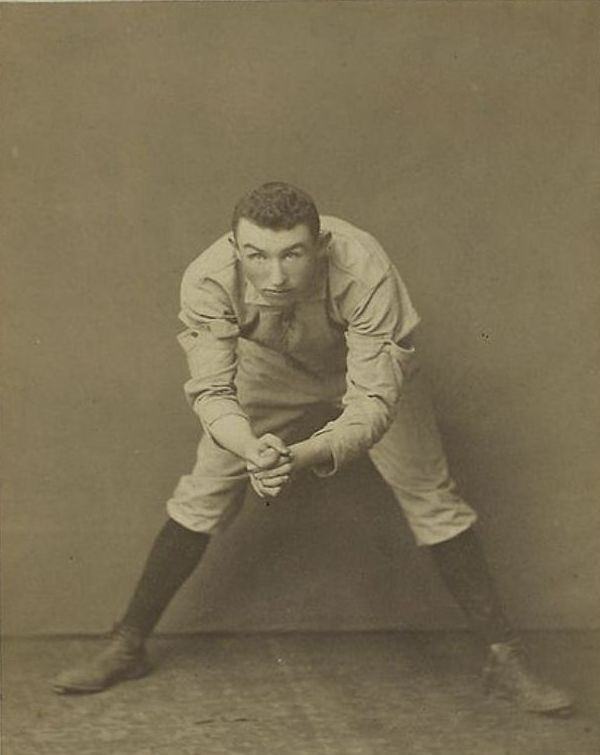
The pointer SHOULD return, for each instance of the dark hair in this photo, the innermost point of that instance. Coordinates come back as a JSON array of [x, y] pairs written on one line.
[[279, 206]]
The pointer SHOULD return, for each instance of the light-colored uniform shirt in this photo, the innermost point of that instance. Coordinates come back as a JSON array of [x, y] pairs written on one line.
[[342, 343]]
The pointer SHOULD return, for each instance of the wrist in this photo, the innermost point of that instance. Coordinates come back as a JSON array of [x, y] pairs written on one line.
[[312, 452], [250, 448]]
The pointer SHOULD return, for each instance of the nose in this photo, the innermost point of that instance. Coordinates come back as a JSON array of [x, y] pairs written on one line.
[[277, 275]]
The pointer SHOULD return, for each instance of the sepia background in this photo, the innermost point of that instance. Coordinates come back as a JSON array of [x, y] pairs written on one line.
[[463, 135]]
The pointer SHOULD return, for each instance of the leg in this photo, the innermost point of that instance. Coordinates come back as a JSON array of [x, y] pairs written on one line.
[[463, 567], [198, 506], [173, 557], [202, 503], [411, 459]]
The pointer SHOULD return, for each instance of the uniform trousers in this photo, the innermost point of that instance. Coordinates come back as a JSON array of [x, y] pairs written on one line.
[[282, 398]]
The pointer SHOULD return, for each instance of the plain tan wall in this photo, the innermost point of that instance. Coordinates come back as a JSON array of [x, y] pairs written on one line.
[[463, 135]]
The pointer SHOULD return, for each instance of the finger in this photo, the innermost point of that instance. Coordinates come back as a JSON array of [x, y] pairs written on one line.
[[268, 457], [265, 491], [266, 474], [264, 487], [257, 487], [274, 482], [264, 464], [274, 442], [273, 492]]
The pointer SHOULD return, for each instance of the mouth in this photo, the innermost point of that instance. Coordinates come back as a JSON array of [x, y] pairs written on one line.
[[277, 291]]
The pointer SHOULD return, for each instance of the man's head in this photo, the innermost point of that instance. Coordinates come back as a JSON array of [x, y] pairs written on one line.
[[276, 235], [278, 206]]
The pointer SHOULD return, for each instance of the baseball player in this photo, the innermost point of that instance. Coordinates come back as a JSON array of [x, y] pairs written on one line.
[[298, 338]]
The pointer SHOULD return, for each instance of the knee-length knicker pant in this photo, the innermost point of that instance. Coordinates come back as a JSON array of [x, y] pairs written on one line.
[[277, 396]]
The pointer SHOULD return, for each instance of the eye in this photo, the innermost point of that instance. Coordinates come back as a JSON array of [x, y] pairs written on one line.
[[255, 257], [293, 255]]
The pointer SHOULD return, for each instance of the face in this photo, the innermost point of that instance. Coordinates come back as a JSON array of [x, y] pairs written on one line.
[[281, 265]]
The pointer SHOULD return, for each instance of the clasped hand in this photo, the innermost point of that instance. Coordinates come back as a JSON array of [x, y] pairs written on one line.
[[270, 465]]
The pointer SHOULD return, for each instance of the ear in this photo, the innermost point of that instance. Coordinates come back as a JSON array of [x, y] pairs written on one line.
[[233, 244], [323, 243]]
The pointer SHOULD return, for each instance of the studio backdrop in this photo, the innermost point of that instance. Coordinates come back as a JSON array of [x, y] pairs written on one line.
[[464, 136]]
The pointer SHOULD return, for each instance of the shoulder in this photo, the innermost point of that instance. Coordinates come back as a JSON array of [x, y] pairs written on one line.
[[217, 263], [355, 252], [358, 268], [357, 261], [210, 283]]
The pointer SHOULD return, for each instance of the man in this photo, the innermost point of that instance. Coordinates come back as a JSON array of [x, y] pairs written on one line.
[[293, 316]]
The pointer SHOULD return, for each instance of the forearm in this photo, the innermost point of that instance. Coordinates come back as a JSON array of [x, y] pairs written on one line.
[[312, 452], [234, 433], [382, 366], [353, 433]]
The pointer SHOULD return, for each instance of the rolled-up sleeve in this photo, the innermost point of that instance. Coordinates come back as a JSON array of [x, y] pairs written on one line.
[[209, 342], [378, 359]]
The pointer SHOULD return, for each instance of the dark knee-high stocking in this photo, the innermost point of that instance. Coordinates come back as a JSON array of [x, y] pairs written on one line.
[[172, 558], [463, 567]]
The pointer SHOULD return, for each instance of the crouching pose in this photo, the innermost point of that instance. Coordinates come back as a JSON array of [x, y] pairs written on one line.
[[292, 315]]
